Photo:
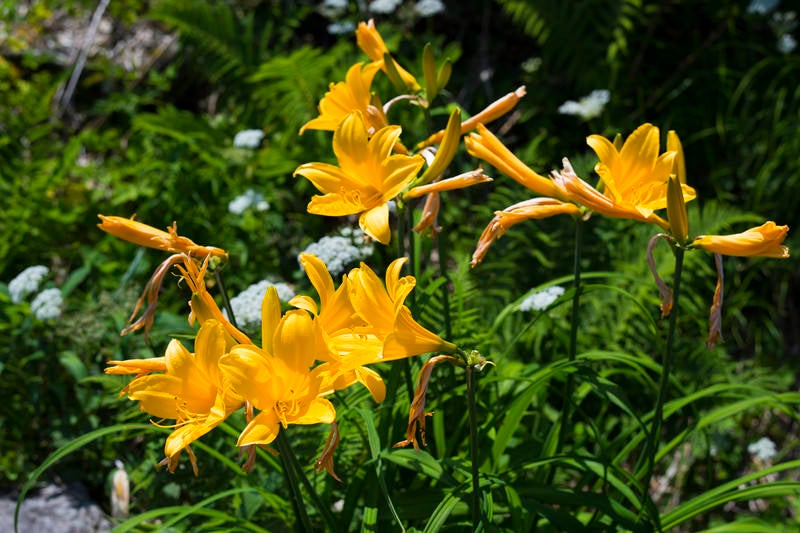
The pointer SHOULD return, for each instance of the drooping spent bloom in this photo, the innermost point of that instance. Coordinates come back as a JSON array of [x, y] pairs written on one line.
[[190, 390], [370, 41], [136, 232], [348, 96], [278, 378], [368, 176]]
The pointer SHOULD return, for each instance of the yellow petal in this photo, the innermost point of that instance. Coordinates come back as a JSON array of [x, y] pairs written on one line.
[[263, 429], [763, 241], [375, 223]]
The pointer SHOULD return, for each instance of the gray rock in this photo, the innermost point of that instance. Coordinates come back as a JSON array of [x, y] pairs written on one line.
[[56, 508]]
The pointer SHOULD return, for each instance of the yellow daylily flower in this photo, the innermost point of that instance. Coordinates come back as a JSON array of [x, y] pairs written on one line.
[[347, 96], [765, 240], [278, 379], [635, 176], [368, 176], [345, 334], [384, 310], [190, 390], [370, 41], [130, 230]]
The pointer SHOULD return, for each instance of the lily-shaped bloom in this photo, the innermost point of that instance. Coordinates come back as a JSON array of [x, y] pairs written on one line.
[[347, 96], [634, 178], [765, 240], [385, 311], [130, 230], [278, 378], [190, 390], [368, 176], [370, 41]]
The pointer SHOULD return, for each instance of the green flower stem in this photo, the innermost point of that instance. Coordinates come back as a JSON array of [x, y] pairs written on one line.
[[654, 436], [442, 252], [403, 214], [569, 385], [286, 453], [226, 302], [473, 448], [324, 510]]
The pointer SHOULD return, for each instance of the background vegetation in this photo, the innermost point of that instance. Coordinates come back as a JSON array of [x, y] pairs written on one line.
[[148, 129]]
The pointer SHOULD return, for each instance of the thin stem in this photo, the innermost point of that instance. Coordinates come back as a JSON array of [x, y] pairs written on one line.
[[324, 511], [654, 435], [442, 249], [473, 448], [226, 302], [572, 349], [286, 453]]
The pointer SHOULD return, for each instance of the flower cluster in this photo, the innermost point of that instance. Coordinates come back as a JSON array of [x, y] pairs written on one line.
[[305, 355], [637, 182]]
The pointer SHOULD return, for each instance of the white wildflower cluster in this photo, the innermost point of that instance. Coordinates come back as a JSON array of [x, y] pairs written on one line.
[[342, 250], [761, 7], [341, 27], [47, 304], [27, 282], [384, 7], [587, 107], [248, 139], [428, 8], [247, 304], [245, 201], [541, 300], [783, 24], [764, 449]]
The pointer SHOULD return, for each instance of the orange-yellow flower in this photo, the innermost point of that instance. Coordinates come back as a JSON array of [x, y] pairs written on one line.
[[765, 240], [368, 176], [370, 41], [634, 177], [278, 379], [190, 390], [130, 230], [347, 96]]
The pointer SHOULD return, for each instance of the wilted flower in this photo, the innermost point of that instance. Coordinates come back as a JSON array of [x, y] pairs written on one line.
[[26, 282]]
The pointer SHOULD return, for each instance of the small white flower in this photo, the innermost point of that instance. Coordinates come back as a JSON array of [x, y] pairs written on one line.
[[332, 8], [541, 300], [248, 139], [26, 282], [47, 304], [532, 64], [249, 199], [761, 7], [587, 107], [340, 251], [428, 8], [384, 7], [247, 304], [786, 44], [341, 27], [763, 448]]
